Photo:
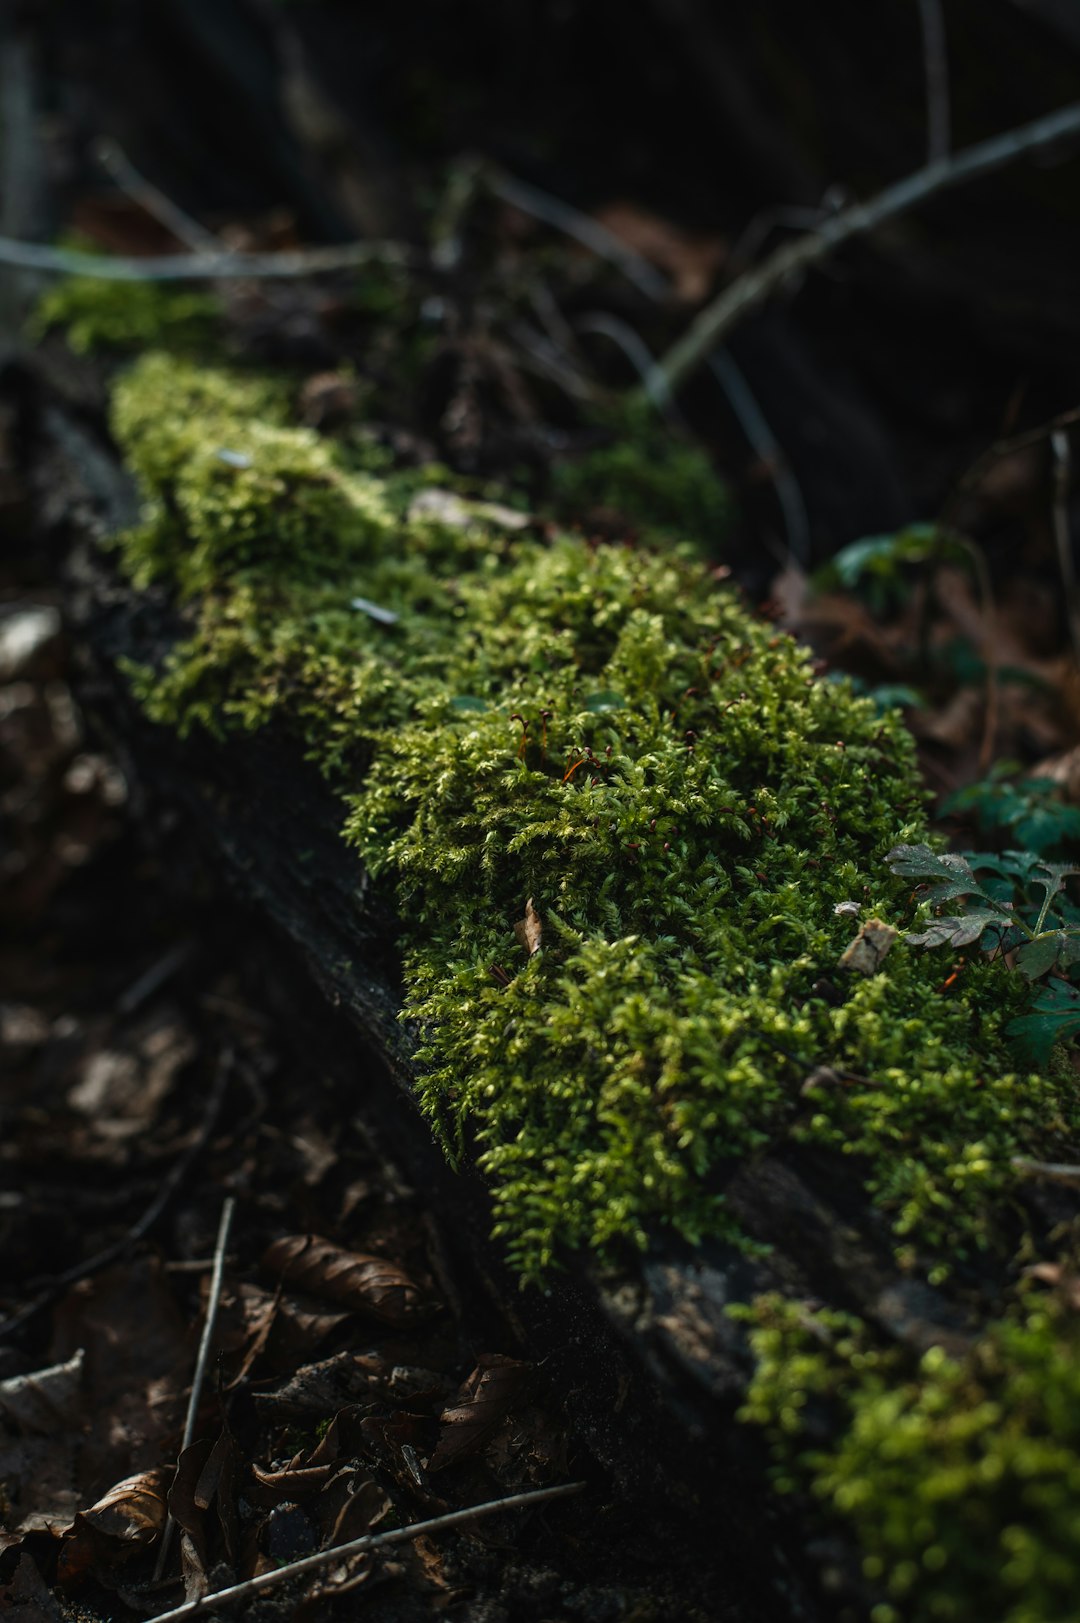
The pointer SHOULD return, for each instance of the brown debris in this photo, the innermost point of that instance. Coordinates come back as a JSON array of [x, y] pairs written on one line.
[[124, 1521], [868, 951], [495, 1386], [369, 1285], [529, 930]]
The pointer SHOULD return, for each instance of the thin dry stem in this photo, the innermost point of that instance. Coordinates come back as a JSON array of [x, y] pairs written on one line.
[[756, 286], [1059, 445], [359, 1546], [217, 266], [202, 1360], [936, 79]]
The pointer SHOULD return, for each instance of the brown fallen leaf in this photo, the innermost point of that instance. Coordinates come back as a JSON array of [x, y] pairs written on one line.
[[124, 1521], [526, 1450], [529, 930], [691, 259], [46, 1401], [491, 1391], [867, 952], [365, 1284]]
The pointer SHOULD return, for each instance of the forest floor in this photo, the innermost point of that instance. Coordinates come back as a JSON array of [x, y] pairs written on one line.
[[145, 1077]]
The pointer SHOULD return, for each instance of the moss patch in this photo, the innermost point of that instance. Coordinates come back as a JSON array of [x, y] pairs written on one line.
[[609, 732], [125, 315], [644, 476], [961, 1476]]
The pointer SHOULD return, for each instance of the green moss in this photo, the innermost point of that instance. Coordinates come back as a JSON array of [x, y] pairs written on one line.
[[961, 1476], [686, 805], [648, 476], [104, 315]]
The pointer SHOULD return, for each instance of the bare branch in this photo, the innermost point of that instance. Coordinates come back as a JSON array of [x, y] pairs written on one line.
[[1059, 445], [754, 288], [358, 1546], [582, 227], [936, 79], [116, 163], [203, 1358], [220, 265]]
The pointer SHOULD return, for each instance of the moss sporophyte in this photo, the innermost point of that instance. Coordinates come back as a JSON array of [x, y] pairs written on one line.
[[606, 734]]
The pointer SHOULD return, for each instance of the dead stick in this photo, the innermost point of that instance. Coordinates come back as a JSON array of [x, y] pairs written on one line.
[[756, 286], [1059, 445], [1003, 448], [936, 79], [202, 1360], [116, 163], [220, 265], [358, 1546]]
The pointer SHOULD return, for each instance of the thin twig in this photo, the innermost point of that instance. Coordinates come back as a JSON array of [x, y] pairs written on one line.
[[636, 351], [1059, 445], [753, 237], [582, 227], [202, 1360], [763, 442], [221, 265], [153, 979], [118, 166], [1055, 1171], [656, 287], [170, 1184], [1006, 447], [539, 355], [990, 648], [359, 1546], [936, 80], [754, 288]]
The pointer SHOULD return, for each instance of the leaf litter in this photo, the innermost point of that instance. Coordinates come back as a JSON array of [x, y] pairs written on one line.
[[337, 1376]]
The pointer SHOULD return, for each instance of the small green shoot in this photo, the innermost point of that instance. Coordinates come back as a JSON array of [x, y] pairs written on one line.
[[1020, 906], [879, 565], [1031, 809], [1054, 1018]]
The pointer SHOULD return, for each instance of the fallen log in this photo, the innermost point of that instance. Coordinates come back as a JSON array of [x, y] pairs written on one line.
[[644, 1334]]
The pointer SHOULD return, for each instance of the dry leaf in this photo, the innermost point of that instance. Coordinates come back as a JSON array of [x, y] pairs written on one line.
[[490, 1392], [868, 951], [690, 258], [45, 1402], [369, 1285], [122, 1522], [529, 929]]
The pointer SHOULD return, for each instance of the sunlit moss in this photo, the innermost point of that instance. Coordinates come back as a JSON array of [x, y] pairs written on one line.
[[960, 1476], [95, 314], [608, 731]]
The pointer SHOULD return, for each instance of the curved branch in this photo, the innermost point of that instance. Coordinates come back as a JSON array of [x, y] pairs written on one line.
[[756, 286]]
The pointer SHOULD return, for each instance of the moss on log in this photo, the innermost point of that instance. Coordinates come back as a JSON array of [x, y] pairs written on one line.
[[601, 746]]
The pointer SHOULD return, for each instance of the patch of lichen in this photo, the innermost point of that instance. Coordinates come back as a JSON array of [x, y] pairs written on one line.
[[608, 731], [95, 314], [648, 476], [960, 1475]]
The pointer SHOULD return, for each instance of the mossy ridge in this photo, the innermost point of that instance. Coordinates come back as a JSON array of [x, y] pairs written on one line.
[[686, 805], [960, 1475], [660, 482], [125, 316]]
